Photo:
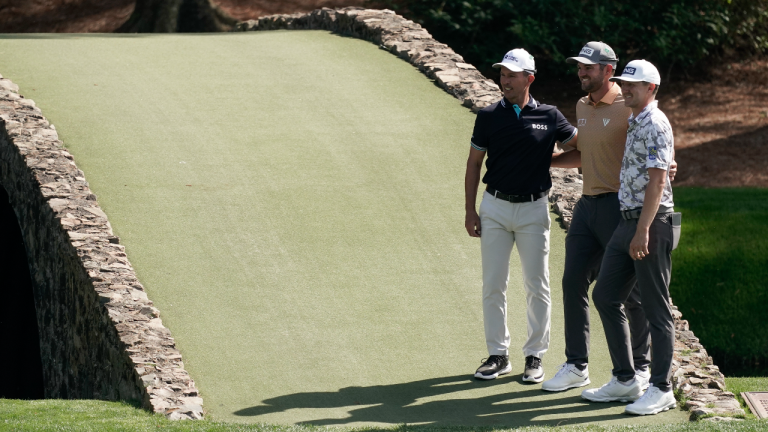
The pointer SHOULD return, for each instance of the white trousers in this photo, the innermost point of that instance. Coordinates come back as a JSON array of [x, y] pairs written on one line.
[[503, 224]]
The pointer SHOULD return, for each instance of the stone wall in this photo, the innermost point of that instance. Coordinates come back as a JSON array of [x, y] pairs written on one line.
[[699, 383], [100, 337]]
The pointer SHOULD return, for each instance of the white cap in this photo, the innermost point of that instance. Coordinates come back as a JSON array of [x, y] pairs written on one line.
[[639, 70], [517, 60]]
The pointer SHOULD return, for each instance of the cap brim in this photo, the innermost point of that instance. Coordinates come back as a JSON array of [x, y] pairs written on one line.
[[510, 66], [614, 79], [582, 60]]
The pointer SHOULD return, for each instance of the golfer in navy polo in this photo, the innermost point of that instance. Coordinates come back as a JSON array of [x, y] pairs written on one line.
[[518, 135]]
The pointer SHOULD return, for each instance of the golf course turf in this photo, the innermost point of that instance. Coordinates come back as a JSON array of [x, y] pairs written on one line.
[[293, 204]]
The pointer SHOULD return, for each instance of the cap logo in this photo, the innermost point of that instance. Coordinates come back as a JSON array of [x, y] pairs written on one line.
[[511, 57], [587, 51], [629, 71]]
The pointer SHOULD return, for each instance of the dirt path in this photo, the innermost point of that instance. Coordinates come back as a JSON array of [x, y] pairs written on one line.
[[721, 127]]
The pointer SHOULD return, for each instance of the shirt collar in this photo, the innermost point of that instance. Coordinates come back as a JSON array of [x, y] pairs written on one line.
[[644, 113], [532, 103], [609, 97]]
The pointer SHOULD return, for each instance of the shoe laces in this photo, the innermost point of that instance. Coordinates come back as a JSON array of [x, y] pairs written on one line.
[[492, 360], [649, 393], [564, 369], [614, 380], [532, 362]]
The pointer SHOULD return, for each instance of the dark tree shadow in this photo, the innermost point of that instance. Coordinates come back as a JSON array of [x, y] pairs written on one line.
[[401, 403]]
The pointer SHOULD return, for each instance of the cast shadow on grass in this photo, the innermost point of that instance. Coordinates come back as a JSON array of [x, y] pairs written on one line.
[[401, 403]]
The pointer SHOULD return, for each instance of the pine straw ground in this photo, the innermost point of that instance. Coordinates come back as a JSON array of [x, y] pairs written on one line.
[[720, 123]]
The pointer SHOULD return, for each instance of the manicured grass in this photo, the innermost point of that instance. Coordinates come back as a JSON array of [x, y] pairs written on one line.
[[99, 416], [293, 204], [738, 385], [720, 274]]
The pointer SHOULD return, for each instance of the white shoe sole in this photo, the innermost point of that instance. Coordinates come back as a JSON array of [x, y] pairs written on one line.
[[671, 405], [537, 379], [504, 371], [570, 386], [610, 399]]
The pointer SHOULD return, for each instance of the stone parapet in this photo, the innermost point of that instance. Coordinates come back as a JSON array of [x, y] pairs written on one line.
[[100, 336], [698, 381]]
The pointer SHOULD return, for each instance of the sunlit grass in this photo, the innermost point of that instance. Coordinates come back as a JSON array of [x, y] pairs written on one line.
[[720, 274]]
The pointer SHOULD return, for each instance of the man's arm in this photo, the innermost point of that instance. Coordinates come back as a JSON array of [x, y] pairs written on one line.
[[638, 247], [471, 181], [569, 159]]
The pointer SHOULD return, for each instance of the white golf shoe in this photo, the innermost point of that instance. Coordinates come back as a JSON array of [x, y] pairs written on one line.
[[644, 378], [614, 391], [569, 376], [653, 401]]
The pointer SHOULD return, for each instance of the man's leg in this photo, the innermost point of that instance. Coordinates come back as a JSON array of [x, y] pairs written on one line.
[[639, 331], [496, 243], [611, 291], [583, 254], [653, 276], [532, 237], [607, 217]]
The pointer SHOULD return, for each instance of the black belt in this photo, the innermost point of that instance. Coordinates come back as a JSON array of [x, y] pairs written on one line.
[[602, 195], [635, 214], [516, 198]]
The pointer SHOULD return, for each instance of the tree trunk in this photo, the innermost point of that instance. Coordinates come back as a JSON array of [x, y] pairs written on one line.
[[171, 16]]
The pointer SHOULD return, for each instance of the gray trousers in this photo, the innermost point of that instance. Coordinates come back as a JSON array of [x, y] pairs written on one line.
[[593, 224], [653, 275]]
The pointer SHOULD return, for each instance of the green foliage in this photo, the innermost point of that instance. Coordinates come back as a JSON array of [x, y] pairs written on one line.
[[720, 276], [665, 32]]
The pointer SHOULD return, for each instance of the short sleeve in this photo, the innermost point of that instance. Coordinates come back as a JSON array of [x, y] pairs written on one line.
[[479, 134], [660, 145], [565, 131]]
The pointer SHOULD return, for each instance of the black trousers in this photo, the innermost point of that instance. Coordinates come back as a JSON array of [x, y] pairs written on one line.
[[653, 275], [593, 224]]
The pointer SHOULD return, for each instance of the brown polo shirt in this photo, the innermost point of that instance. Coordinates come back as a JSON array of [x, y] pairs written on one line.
[[602, 136]]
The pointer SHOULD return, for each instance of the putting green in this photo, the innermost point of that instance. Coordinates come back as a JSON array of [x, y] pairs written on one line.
[[293, 203]]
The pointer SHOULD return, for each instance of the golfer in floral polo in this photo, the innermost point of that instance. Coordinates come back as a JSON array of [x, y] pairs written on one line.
[[640, 248]]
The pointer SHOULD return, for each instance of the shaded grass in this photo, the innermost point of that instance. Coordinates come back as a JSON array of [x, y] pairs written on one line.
[[90, 415], [720, 274]]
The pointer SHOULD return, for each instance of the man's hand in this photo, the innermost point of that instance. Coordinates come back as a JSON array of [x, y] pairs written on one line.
[[472, 224], [638, 247], [672, 170]]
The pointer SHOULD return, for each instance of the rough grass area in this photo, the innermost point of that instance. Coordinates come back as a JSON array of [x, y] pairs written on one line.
[[89, 415], [720, 276]]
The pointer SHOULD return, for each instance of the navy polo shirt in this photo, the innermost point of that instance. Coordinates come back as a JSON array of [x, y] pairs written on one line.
[[519, 144]]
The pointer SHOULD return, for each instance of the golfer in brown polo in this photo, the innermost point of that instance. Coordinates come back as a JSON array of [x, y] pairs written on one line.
[[602, 123]]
